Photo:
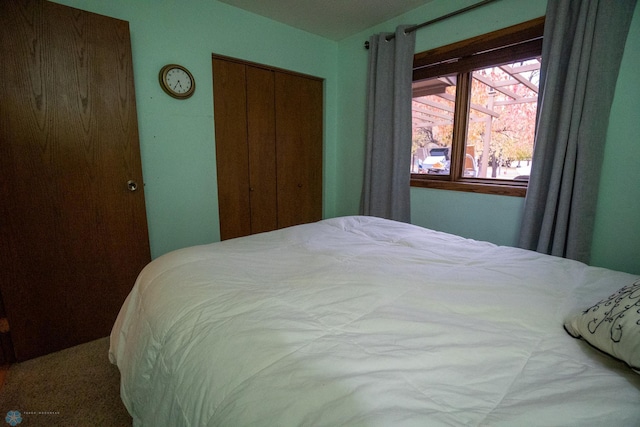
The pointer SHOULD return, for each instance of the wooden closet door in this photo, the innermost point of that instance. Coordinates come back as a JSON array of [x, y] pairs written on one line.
[[299, 121], [245, 148], [73, 225], [261, 140], [268, 147], [232, 155]]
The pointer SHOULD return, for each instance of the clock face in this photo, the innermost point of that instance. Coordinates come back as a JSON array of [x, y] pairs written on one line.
[[177, 81]]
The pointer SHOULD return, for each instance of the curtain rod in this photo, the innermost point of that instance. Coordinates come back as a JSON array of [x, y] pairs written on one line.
[[433, 21]]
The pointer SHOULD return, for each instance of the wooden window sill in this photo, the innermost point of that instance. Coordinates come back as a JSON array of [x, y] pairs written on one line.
[[496, 187]]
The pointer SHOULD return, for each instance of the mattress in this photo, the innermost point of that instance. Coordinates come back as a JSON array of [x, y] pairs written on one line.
[[362, 321]]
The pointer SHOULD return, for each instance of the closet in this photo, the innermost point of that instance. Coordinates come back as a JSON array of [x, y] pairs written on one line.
[[268, 128], [73, 229]]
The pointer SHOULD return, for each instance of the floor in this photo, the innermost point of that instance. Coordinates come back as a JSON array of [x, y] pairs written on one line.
[[3, 374], [77, 386]]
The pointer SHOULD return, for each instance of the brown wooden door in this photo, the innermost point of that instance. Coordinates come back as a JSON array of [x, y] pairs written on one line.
[[268, 147], [73, 233], [262, 149], [245, 148], [232, 155], [299, 149]]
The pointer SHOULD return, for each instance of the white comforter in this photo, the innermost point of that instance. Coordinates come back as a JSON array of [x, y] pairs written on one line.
[[361, 321]]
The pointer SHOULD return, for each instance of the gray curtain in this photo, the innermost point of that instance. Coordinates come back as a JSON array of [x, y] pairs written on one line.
[[581, 53], [387, 172]]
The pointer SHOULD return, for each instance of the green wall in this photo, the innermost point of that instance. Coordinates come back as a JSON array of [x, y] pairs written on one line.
[[177, 137], [488, 217], [477, 216], [617, 230]]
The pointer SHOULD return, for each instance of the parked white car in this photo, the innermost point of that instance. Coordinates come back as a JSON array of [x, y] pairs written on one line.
[[437, 162]]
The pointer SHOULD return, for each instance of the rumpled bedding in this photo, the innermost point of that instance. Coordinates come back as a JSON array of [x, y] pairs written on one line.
[[362, 321]]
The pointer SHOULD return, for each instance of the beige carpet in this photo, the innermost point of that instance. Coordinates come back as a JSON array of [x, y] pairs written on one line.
[[73, 387]]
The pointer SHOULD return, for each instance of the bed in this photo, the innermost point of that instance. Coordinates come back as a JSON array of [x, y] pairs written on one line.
[[362, 321]]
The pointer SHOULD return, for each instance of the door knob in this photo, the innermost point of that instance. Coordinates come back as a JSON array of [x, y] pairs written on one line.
[[132, 185]]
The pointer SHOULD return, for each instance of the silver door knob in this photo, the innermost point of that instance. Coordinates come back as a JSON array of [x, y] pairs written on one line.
[[132, 185]]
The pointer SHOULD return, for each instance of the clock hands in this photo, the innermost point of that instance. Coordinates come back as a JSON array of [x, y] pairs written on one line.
[[176, 81], [178, 84]]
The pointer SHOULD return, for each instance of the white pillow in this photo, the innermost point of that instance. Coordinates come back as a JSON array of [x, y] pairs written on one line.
[[612, 325]]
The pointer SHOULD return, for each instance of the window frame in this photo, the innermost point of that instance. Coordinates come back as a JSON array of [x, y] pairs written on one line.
[[510, 44]]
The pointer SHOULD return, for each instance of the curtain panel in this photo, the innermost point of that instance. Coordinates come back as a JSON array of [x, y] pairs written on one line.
[[387, 174], [582, 49]]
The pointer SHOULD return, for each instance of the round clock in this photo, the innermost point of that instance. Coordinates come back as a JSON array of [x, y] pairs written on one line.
[[177, 81]]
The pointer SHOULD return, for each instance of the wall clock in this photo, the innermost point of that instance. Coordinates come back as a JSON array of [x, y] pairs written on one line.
[[177, 81]]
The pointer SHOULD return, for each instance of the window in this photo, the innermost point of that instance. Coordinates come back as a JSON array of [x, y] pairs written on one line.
[[474, 112]]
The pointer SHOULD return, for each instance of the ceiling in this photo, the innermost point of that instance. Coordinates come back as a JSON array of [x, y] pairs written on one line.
[[332, 19]]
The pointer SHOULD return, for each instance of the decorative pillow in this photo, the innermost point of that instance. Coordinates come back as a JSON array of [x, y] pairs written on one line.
[[612, 325]]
